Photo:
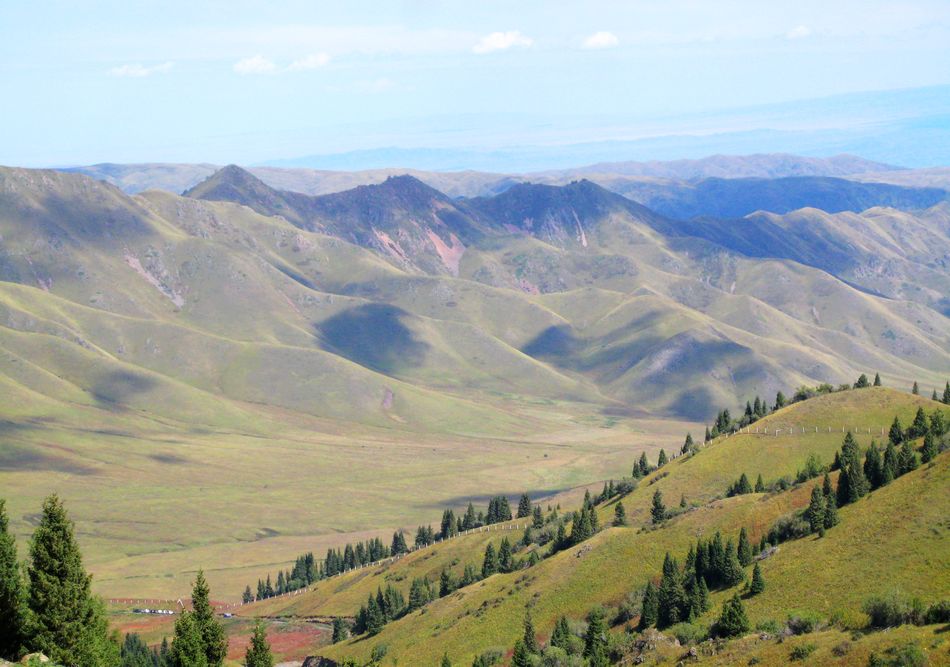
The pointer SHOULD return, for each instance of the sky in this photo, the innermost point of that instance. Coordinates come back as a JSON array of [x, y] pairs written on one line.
[[250, 82]]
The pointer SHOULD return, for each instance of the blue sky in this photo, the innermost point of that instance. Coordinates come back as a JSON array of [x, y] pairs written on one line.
[[248, 81]]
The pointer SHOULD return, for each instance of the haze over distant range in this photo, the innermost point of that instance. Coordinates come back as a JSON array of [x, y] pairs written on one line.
[[445, 87]]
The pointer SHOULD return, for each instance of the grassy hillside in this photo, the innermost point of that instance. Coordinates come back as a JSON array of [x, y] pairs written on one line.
[[902, 526], [147, 340]]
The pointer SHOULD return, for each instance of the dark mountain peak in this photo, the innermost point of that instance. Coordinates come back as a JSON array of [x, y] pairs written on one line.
[[405, 190], [230, 183]]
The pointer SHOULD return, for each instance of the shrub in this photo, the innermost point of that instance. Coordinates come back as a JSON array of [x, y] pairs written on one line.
[[908, 655], [891, 610], [769, 626], [938, 612], [801, 624], [802, 651], [842, 649], [629, 608], [789, 527], [688, 634]]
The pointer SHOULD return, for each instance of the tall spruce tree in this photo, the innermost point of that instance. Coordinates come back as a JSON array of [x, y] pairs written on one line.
[[213, 639], [490, 562], [907, 458], [758, 582], [658, 510], [896, 433], [759, 484], [852, 484], [649, 607], [521, 657], [620, 515], [524, 506], [340, 631], [688, 445], [890, 468], [530, 636], [877, 379], [919, 427], [946, 393], [929, 450], [816, 511], [915, 390], [12, 611], [661, 460], [873, 466], [66, 622], [595, 639], [744, 550], [258, 651], [561, 636], [187, 648]]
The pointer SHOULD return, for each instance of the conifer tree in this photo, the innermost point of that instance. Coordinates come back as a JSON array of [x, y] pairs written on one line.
[[537, 519], [187, 648], [816, 511], [445, 661], [340, 631], [524, 506], [896, 434], [213, 639], [506, 561], [661, 460], [658, 511], [732, 573], [929, 450], [620, 515], [758, 582], [907, 459], [683, 500], [733, 621], [469, 521], [863, 382], [688, 444], [530, 637], [446, 583], [672, 601], [258, 652], [920, 426], [490, 562], [831, 511], [826, 488], [561, 636], [890, 467], [248, 595], [649, 608], [399, 545], [915, 390], [643, 465], [744, 549], [946, 393], [521, 657], [595, 639], [66, 622], [780, 400], [12, 612], [938, 425], [852, 484], [708, 436], [873, 466]]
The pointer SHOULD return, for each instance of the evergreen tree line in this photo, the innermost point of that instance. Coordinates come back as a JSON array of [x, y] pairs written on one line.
[[642, 467]]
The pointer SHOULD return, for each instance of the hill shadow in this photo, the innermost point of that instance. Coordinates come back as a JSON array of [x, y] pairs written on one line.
[[113, 388], [375, 336]]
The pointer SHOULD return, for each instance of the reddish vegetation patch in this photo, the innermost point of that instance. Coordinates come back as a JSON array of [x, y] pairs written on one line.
[[287, 642]]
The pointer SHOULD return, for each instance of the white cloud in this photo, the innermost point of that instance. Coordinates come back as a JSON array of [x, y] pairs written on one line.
[[137, 70], [255, 65], [601, 40], [798, 32], [313, 61], [499, 41]]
